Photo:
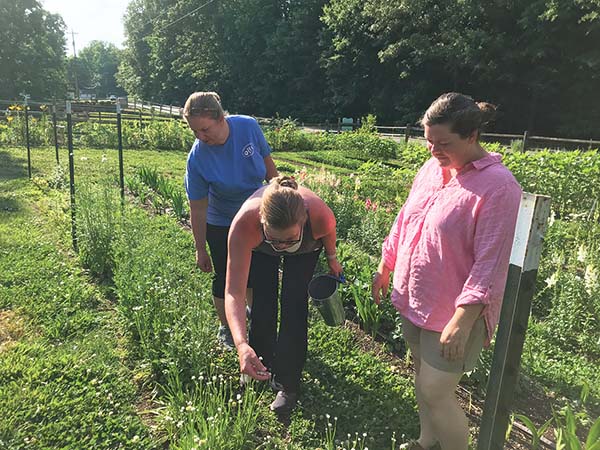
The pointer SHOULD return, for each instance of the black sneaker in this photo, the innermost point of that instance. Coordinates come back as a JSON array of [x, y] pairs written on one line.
[[225, 338], [284, 403]]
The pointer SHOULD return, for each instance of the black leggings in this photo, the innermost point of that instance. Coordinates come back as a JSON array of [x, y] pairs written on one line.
[[216, 236], [284, 353]]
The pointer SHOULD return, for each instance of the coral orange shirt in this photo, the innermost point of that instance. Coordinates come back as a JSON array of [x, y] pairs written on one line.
[[450, 244]]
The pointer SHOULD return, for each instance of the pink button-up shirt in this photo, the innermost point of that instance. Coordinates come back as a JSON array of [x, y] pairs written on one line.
[[450, 244]]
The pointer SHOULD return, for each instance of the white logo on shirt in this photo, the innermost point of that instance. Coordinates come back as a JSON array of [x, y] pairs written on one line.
[[248, 150]]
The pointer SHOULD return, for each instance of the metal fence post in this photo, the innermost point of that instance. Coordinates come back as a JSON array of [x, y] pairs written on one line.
[[516, 306], [407, 133], [71, 175], [120, 140], [55, 131], [525, 136], [26, 97]]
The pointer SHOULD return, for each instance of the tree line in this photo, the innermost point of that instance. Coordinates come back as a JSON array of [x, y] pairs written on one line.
[[538, 60]]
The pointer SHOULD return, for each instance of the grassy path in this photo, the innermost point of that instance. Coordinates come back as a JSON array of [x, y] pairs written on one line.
[[63, 381]]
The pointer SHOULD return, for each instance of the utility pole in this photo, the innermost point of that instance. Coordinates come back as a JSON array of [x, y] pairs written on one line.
[[75, 65]]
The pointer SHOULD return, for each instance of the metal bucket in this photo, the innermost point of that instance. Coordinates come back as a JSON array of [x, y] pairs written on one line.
[[323, 290]]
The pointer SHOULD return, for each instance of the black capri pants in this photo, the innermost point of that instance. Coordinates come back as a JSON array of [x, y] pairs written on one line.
[[216, 236], [282, 348]]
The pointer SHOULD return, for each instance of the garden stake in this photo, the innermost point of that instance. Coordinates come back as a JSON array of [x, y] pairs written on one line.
[[120, 140], [516, 306], [71, 176], [55, 132]]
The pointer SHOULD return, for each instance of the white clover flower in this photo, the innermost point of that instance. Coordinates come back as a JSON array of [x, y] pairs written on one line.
[[590, 278], [581, 253], [552, 280]]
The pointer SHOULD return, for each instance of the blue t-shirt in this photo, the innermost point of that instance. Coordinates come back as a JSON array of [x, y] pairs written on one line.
[[228, 174]]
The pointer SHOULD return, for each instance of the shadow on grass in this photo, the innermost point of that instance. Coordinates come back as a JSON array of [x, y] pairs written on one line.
[[360, 388], [12, 168], [9, 204]]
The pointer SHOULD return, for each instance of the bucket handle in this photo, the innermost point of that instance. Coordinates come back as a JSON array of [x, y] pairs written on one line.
[[340, 279]]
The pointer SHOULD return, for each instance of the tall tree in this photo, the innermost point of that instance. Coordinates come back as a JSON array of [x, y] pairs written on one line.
[[32, 50], [100, 61]]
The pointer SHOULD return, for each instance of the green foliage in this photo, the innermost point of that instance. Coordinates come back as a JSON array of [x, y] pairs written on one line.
[[536, 433], [571, 179], [368, 124], [159, 134], [98, 217], [208, 413], [13, 133], [96, 68], [63, 383], [358, 144], [285, 136], [159, 297], [166, 192], [32, 50], [566, 432], [368, 311]]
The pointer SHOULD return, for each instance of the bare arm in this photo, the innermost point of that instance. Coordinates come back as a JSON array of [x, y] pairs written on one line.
[[198, 210], [323, 223], [240, 245], [271, 169], [456, 332], [381, 282]]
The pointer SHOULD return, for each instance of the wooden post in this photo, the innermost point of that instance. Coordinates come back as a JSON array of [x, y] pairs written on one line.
[[407, 133], [514, 316], [339, 128], [525, 136]]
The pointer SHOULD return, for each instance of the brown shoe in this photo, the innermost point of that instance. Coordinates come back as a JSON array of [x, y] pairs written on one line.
[[284, 403]]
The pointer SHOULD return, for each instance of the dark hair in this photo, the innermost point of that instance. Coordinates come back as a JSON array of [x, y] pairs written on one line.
[[204, 104], [282, 206], [460, 112]]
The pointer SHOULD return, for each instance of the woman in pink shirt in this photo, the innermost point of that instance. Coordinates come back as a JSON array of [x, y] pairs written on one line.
[[449, 250]]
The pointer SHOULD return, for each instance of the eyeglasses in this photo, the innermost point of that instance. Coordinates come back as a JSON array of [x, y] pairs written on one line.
[[277, 242]]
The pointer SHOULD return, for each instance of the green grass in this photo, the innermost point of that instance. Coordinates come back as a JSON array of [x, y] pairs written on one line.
[[168, 323], [63, 382]]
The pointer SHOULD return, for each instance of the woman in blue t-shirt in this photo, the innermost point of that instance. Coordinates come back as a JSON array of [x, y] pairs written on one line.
[[229, 160]]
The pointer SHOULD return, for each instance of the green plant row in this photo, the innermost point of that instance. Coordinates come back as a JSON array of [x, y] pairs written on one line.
[[166, 309], [286, 136], [161, 135]]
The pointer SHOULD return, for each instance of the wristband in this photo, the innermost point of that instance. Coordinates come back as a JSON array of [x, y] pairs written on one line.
[[331, 257]]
